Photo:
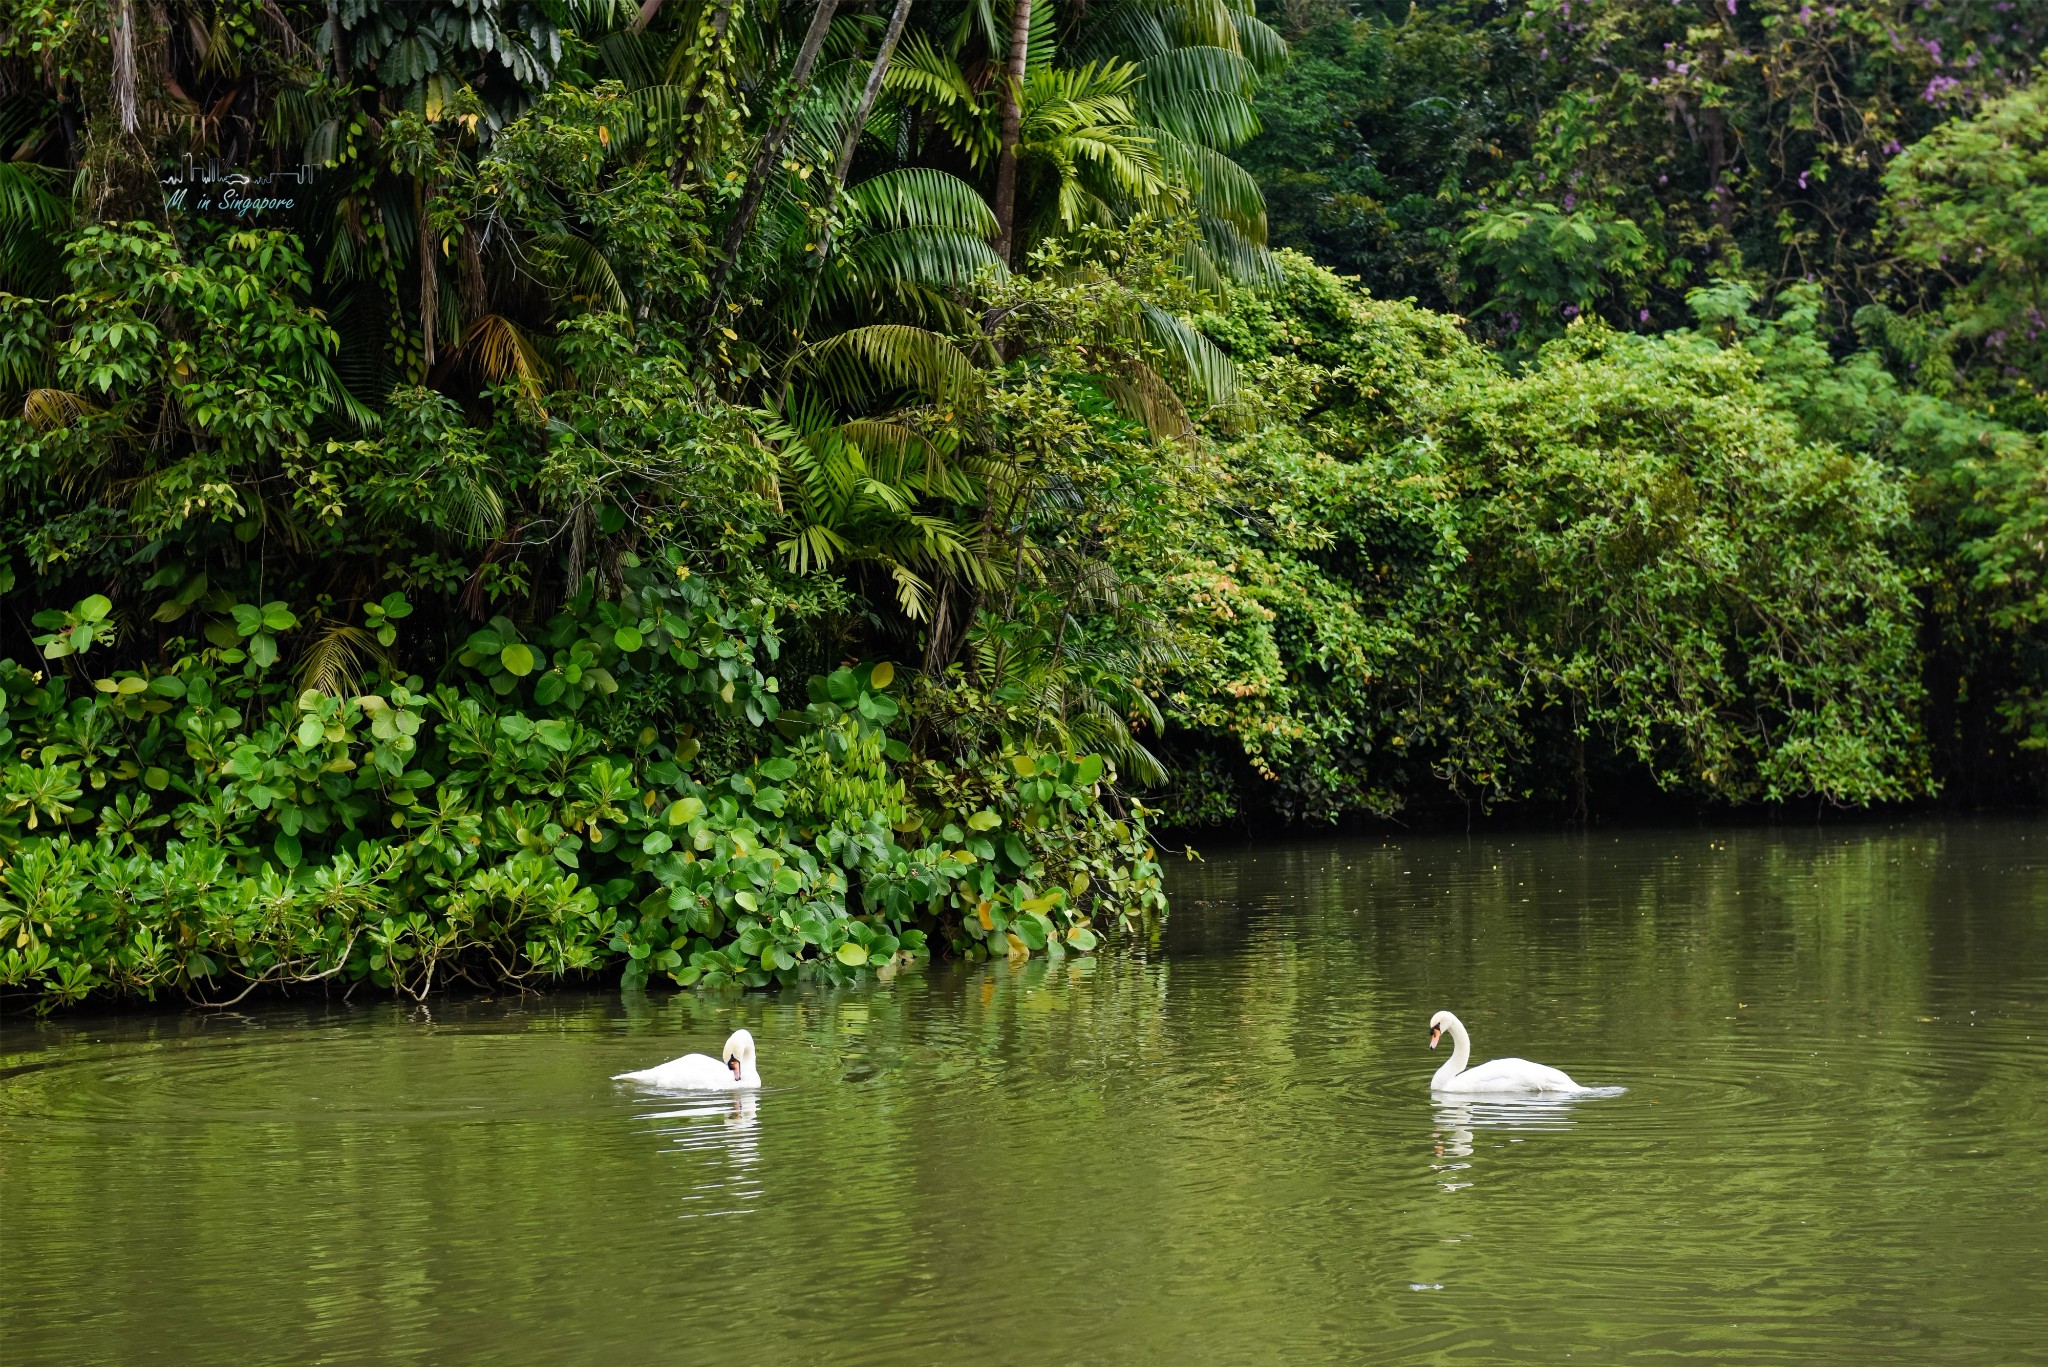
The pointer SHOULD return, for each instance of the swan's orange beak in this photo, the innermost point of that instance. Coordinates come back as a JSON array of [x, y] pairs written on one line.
[[734, 1064], [1435, 1033]]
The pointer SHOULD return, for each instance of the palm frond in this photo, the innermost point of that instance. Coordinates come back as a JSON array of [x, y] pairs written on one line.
[[1202, 94], [924, 256], [1198, 23], [632, 58], [1201, 271], [932, 83], [583, 271], [1220, 186], [47, 409], [26, 204], [337, 659], [1040, 49], [812, 549], [502, 352], [1264, 48], [884, 356], [902, 456], [1130, 30], [923, 197], [1190, 357], [1240, 257], [928, 76], [1143, 397], [359, 414], [913, 594]]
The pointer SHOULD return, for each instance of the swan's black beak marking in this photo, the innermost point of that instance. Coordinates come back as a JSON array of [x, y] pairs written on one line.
[[1434, 1034]]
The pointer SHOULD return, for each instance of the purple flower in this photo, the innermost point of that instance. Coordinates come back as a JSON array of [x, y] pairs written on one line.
[[1643, 316], [1731, 6], [1569, 201], [1572, 310], [1802, 180]]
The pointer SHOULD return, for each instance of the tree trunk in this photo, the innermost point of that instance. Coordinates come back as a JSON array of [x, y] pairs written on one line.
[[1013, 119], [847, 146], [121, 46], [868, 95], [430, 271], [742, 221]]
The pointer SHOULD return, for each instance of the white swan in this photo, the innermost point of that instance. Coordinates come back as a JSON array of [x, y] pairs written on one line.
[[731, 1071], [1501, 1075]]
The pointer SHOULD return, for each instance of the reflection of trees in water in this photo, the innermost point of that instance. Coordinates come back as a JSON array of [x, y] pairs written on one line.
[[1569, 931]]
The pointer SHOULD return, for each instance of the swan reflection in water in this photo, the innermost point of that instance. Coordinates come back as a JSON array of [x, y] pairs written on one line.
[[718, 1136], [1452, 1137]]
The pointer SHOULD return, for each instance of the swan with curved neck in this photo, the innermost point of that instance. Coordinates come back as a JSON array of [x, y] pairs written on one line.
[[1501, 1075], [732, 1070]]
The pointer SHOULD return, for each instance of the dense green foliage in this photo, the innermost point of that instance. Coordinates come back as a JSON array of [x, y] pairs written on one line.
[[1529, 162], [1850, 197], [740, 495], [1441, 573]]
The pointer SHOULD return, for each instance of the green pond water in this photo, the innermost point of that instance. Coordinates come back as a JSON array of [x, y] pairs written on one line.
[[1221, 1147]]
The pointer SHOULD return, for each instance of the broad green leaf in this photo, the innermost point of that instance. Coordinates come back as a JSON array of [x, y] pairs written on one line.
[[517, 659]]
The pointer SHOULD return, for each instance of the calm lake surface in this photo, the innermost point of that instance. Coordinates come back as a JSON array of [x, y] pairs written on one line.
[[1222, 1148]]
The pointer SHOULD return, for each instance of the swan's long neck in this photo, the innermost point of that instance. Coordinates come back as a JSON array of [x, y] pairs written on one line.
[[1461, 1054]]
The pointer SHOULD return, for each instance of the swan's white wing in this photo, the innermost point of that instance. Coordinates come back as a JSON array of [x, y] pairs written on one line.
[[1510, 1075], [691, 1072]]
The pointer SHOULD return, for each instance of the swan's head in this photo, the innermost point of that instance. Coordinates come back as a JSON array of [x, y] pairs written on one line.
[[1439, 1023], [739, 1052]]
